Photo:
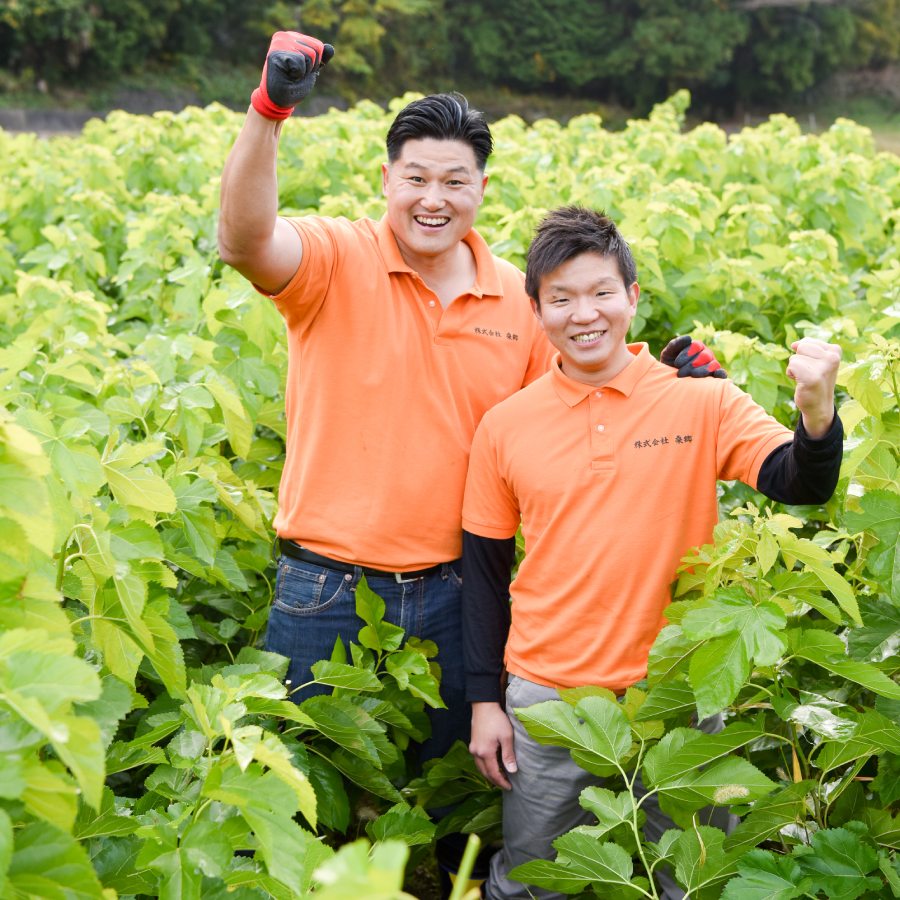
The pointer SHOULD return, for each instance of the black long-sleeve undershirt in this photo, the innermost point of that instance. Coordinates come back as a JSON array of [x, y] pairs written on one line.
[[802, 471]]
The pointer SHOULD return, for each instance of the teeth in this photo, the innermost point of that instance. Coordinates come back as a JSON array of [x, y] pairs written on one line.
[[587, 338], [425, 220]]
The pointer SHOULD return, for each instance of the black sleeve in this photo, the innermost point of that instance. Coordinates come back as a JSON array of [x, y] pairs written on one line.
[[487, 563], [805, 470]]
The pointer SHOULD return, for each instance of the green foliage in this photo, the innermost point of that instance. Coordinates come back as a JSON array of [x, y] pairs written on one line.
[[795, 47], [641, 51], [635, 53], [147, 747], [366, 33], [94, 40]]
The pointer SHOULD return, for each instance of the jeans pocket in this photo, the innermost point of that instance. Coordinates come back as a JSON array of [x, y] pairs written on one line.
[[452, 574], [302, 589]]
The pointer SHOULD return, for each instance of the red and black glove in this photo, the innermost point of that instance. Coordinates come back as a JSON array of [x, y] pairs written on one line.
[[692, 358], [292, 67]]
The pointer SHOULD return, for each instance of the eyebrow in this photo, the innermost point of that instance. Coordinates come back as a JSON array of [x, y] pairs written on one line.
[[450, 171], [601, 282]]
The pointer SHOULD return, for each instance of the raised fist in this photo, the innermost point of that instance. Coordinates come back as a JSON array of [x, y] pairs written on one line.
[[289, 74]]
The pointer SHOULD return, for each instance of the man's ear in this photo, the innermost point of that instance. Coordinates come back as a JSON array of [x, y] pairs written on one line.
[[536, 309], [634, 292], [384, 178]]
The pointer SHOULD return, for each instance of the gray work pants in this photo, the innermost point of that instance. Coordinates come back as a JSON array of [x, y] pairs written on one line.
[[543, 804]]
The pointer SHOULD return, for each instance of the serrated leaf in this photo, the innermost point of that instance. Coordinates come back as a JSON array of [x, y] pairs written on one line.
[[238, 423], [410, 824], [376, 634], [332, 801], [765, 876], [107, 821], [580, 861], [666, 700], [357, 870], [731, 610], [275, 756], [140, 487], [700, 859], [166, 652], [873, 734], [684, 750], [596, 729], [47, 862], [812, 648], [717, 672], [769, 815], [819, 563], [609, 808], [348, 725], [135, 540], [121, 653], [839, 862], [365, 775], [50, 793], [880, 514], [345, 676], [878, 638]]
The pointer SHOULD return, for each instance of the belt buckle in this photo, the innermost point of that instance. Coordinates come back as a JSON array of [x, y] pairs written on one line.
[[398, 577]]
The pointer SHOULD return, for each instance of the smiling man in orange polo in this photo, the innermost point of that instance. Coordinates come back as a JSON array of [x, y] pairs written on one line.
[[610, 464]]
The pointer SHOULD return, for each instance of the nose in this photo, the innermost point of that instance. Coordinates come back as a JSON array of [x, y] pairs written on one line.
[[584, 310], [433, 196]]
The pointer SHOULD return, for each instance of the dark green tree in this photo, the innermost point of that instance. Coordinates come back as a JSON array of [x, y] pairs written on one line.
[[638, 52], [792, 47]]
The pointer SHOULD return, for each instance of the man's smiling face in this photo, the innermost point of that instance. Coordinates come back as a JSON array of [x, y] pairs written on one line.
[[433, 191], [586, 310]]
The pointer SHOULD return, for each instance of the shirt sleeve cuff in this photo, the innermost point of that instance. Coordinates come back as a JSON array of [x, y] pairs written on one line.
[[806, 447], [483, 689]]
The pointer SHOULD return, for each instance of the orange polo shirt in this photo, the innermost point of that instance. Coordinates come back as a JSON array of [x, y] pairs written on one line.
[[613, 486], [385, 389]]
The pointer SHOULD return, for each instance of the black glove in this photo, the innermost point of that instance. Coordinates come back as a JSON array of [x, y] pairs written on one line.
[[289, 74], [693, 359]]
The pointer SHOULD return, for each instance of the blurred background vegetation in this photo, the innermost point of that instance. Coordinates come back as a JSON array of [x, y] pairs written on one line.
[[531, 57]]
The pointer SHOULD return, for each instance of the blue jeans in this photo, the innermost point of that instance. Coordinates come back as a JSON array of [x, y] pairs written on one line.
[[314, 605]]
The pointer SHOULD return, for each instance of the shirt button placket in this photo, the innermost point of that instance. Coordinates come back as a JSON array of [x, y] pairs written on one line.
[[600, 442]]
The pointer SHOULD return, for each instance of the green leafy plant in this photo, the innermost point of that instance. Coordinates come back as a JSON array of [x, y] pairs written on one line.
[[147, 746]]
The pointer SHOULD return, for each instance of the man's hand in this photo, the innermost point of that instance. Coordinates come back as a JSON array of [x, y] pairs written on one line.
[[814, 368], [692, 358], [492, 743], [291, 69]]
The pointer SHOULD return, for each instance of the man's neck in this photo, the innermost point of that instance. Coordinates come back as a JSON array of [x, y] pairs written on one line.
[[448, 274]]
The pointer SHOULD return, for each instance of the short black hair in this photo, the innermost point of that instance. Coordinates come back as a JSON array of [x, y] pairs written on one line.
[[568, 232], [447, 117]]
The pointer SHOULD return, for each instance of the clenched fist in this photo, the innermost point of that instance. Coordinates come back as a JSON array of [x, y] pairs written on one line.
[[814, 369], [289, 74]]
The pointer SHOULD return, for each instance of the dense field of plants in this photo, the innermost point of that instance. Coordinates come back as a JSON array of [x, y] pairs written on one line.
[[148, 746]]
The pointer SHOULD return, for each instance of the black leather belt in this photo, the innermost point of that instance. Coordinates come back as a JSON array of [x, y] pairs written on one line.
[[295, 551]]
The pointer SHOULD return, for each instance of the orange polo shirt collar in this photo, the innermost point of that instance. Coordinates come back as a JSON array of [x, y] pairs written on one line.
[[572, 392], [487, 280]]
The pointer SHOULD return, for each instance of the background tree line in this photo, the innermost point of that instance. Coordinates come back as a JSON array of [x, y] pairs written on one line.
[[730, 53]]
